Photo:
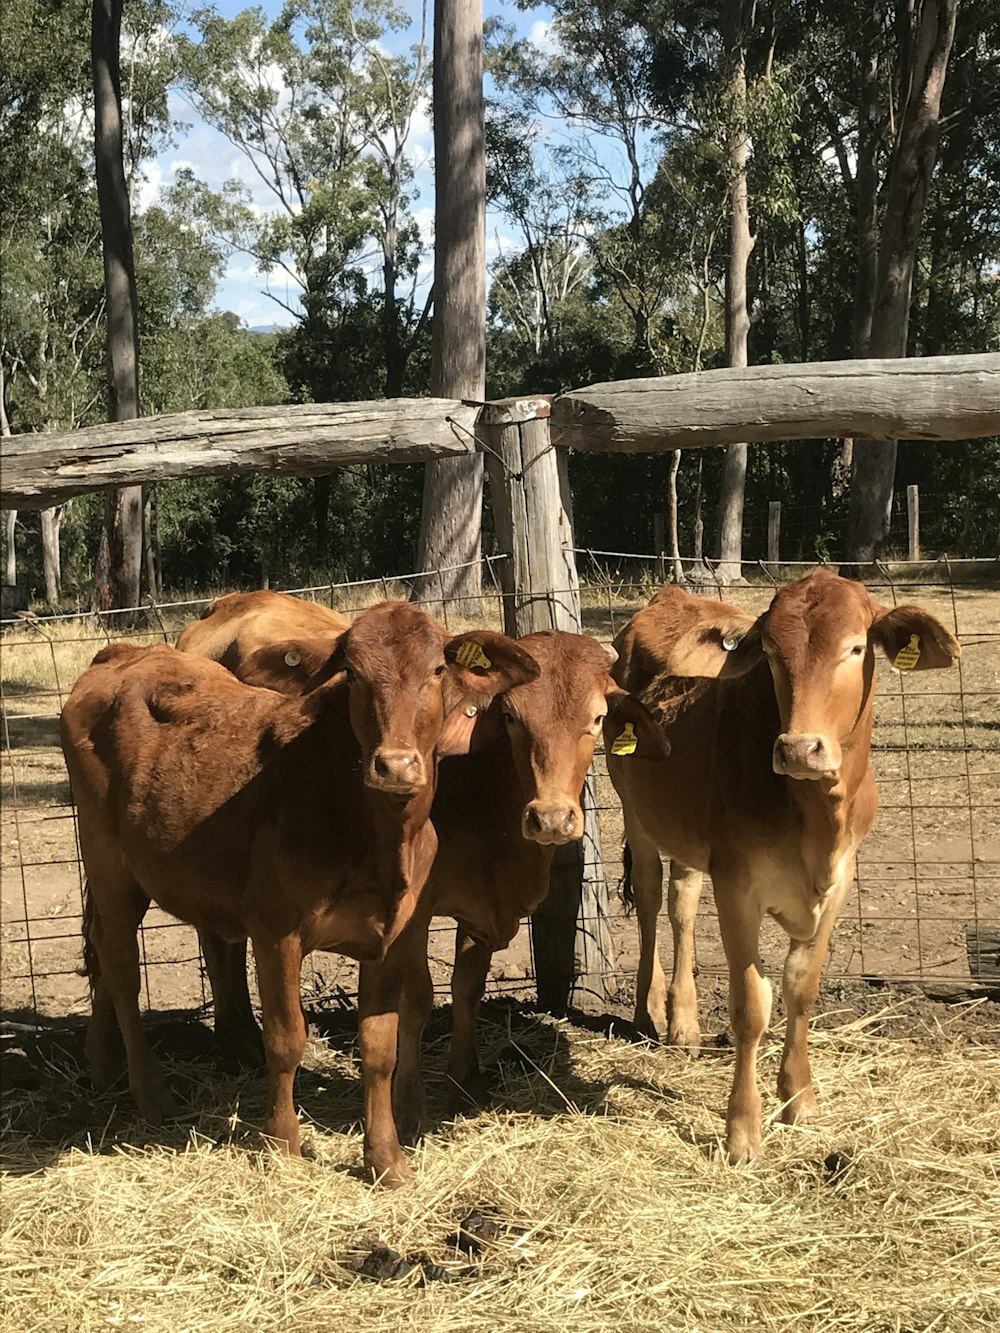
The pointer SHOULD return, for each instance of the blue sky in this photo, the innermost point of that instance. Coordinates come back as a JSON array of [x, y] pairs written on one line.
[[214, 161]]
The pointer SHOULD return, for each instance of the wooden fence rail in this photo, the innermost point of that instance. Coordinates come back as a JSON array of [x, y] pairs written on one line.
[[923, 398]]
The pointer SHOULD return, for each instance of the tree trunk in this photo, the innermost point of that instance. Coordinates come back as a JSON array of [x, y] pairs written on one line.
[[451, 518], [730, 538], [10, 547], [51, 522], [675, 546], [873, 466], [125, 514]]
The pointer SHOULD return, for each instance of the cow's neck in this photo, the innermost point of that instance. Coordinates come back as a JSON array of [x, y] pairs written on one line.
[[828, 808]]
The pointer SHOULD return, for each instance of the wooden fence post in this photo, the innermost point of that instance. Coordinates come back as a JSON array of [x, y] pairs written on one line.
[[913, 521], [773, 532], [533, 516]]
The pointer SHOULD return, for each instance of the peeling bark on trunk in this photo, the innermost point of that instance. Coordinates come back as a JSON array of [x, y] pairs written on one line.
[[124, 515], [873, 467], [451, 518], [730, 536]]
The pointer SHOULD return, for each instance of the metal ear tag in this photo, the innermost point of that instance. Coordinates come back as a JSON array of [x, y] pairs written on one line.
[[471, 711], [729, 642], [292, 659]]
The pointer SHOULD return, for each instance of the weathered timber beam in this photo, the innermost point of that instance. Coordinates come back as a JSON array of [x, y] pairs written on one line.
[[919, 398], [303, 441]]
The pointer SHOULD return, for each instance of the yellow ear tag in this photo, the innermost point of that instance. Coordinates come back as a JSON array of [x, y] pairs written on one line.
[[292, 659], [471, 655], [907, 658], [625, 743]]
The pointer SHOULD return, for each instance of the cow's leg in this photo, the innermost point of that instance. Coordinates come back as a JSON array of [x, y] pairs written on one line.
[[118, 906], [103, 1044], [409, 1099], [799, 988], [279, 969], [683, 894], [468, 983], [647, 885], [236, 1028], [379, 989], [749, 1013]]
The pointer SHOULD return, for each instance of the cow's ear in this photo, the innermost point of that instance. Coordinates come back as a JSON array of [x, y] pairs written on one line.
[[294, 666], [630, 728], [731, 647], [481, 665], [914, 640]]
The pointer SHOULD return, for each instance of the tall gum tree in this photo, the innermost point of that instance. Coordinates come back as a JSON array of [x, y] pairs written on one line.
[[451, 517], [926, 31], [123, 516]]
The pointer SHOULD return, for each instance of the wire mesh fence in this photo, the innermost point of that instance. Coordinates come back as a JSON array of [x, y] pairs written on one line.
[[928, 884]]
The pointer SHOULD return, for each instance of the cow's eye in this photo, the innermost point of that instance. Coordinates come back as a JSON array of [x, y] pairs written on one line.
[[599, 719], [440, 670], [858, 649]]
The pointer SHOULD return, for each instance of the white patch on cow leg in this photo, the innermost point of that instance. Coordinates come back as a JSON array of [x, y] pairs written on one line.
[[799, 988], [650, 983], [683, 895], [749, 1013]]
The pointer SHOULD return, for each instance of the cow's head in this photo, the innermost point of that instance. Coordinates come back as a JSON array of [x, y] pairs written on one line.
[[414, 689], [553, 723], [819, 637]]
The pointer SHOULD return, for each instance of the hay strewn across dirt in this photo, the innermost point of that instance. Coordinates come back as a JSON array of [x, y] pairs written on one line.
[[599, 1156]]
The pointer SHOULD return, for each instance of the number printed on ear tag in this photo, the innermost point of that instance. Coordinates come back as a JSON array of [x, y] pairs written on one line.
[[470, 654], [626, 742], [907, 658]]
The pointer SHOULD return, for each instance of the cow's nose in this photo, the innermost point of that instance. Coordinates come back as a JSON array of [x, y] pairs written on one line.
[[548, 824], [805, 755], [396, 770]]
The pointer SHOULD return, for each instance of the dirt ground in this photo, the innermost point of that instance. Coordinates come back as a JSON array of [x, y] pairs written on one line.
[[928, 874]]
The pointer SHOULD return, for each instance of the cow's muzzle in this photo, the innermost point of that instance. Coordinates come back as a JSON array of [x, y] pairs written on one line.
[[401, 772], [806, 756], [552, 823]]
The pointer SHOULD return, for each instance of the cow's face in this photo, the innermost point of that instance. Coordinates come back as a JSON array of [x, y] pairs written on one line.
[[416, 691], [819, 637], [553, 724]]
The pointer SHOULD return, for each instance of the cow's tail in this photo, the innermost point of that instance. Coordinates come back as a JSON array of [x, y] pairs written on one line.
[[91, 968], [626, 888]]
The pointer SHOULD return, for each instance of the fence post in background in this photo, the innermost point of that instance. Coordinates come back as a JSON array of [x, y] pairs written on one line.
[[659, 540], [773, 533], [913, 521], [533, 517]]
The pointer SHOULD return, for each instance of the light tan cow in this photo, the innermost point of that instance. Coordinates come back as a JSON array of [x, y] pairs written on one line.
[[768, 788]]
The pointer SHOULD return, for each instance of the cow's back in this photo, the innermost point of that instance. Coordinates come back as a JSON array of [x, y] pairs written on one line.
[[240, 623]]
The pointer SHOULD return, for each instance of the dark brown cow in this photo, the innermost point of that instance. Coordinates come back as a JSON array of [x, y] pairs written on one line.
[[299, 822], [768, 788], [500, 811], [232, 628]]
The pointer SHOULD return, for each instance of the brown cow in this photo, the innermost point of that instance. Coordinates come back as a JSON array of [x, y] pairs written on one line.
[[299, 822], [500, 811], [230, 629], [768, 788], [237, 624]]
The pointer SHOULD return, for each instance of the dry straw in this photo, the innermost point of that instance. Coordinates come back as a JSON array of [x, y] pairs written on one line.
[[600, 1157]]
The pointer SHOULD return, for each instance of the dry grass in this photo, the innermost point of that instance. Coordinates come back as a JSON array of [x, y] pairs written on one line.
[[602, 1164]]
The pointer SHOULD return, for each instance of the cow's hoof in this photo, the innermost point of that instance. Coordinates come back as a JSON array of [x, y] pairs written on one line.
[[799, 1108], [391, 1174], [646, 1027], [743, 1147], [469, 1095], [685, 1039]]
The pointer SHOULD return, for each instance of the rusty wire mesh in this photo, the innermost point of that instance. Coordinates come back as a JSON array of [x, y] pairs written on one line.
[[928, 883]]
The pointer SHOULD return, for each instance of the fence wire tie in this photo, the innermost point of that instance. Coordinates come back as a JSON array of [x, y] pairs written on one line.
[[485, 448]]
